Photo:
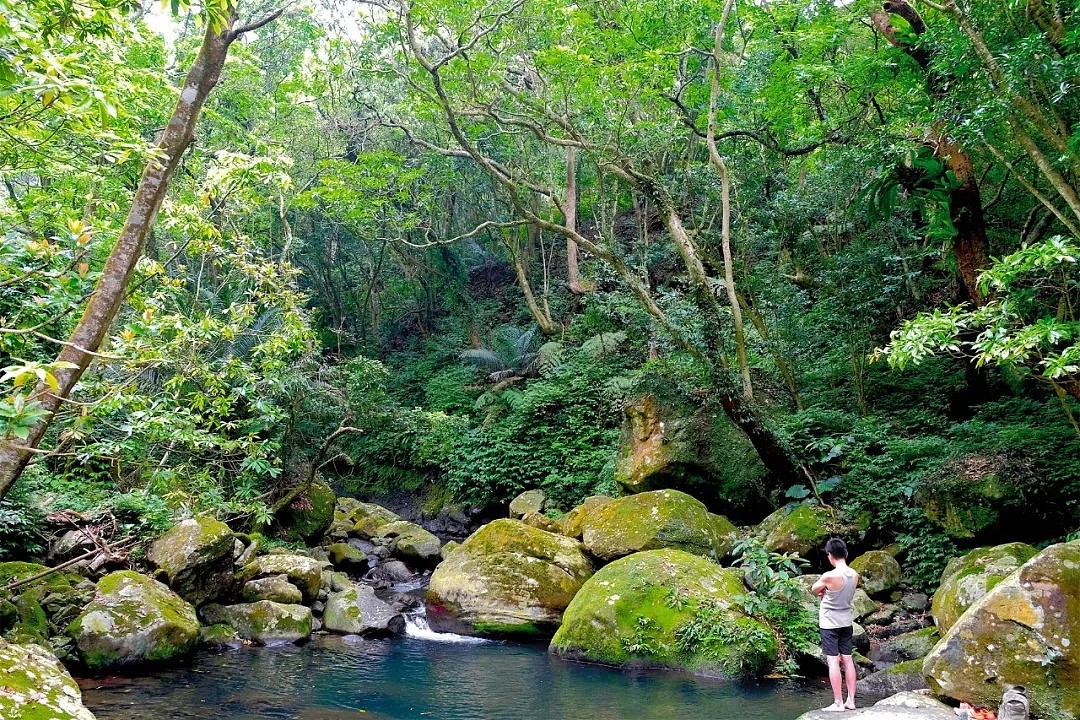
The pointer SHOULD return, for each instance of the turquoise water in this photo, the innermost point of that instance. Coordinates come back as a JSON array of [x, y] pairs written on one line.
[[419, 679]]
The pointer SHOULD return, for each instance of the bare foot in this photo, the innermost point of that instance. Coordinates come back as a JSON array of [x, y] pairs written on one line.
[[835, 707], [849, 705]]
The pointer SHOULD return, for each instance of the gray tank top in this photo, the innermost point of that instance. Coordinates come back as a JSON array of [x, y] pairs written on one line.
[[835, 611]]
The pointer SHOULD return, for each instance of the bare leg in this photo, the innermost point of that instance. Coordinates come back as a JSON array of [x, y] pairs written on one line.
[[851, 677], [836, 681]]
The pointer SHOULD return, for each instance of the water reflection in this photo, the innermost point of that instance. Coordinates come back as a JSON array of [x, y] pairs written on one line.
[[412, 679]]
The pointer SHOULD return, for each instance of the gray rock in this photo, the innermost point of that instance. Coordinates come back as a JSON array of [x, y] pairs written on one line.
[[275, 588], [903, 677], [862, 605], [902, 706], [134, 619], [303, 572], [356, 611], [392, 571], [219, 637], [915, 602], [410, 542], [345, 556], [318, 607], [884, 616], [35, 685], [526, 502], [195, 559], [263, 622]]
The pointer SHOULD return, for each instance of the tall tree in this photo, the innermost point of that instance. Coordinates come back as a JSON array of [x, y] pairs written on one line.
[[82, 346]]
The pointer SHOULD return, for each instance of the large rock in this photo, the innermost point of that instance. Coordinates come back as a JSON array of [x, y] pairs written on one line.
[[310, 515], [367, 518], [573, 523], [194, 558], [276, 588], [134, 619], [527, 502], [1026, 631], [914, 645], [263, 622], [411, 542], [967, 579], [507, 578], [356, 611], [348, 557], [673, 442], [654, 520], [800, 529], [902, 706], [539, 520], [303, 572], [40, 611], [35, 686], [878, 572], [665, 608], [902, 677]]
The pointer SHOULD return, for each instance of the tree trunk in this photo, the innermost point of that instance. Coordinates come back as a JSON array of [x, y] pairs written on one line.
[[104, 304], [725, 197], [540, 315], [965, 203], [573, 276]]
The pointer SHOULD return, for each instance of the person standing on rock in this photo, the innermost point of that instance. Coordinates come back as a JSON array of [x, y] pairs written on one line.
[[836, 588]]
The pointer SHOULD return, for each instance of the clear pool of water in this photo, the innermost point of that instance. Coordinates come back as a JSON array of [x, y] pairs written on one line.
[[421, 678]]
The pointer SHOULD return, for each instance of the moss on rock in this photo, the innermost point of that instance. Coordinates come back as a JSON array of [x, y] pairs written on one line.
[[665, 608], [654, 520], [507, 578], [878, 572], [1025, 631], [194, 558], [411, 542], [573, 523], [264, 622], [303, 572], [672, 442], [310, 515], [133, 619], [356, 611], [966, 579], [799, 529], [35, 686]]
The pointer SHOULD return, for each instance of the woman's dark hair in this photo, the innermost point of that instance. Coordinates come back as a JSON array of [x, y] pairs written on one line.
[[837, 548]]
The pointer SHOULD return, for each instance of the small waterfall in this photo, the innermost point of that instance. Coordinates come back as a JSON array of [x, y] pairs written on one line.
[[416, 626]]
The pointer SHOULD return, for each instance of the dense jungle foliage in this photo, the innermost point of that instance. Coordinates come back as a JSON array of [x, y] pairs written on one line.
[[464, 240]]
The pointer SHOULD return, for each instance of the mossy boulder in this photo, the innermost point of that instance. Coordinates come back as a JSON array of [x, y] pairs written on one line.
[[448, 547], [665, 608], [573, 523], [309, 516], [796, 529], [967, 579], [527, 502], [914, 645], [1025, 631], [276, 588], [219, 637], [878, 572], [367, 518], [670, 441], [22, 617], [348, 557], [650, 521], [263, 622], [303, 572], [195, 558], [539, 520], [35, 686], [133, 619], [507, 578], [901, 677], [356, 611], [410, 542]]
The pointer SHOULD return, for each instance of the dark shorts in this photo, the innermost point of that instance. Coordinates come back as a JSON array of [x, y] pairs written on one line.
[[836, 641]]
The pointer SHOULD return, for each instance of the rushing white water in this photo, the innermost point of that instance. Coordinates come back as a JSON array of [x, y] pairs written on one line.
[[416, 626]]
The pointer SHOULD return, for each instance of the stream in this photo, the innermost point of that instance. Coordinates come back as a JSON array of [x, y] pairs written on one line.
[[427, 675]]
